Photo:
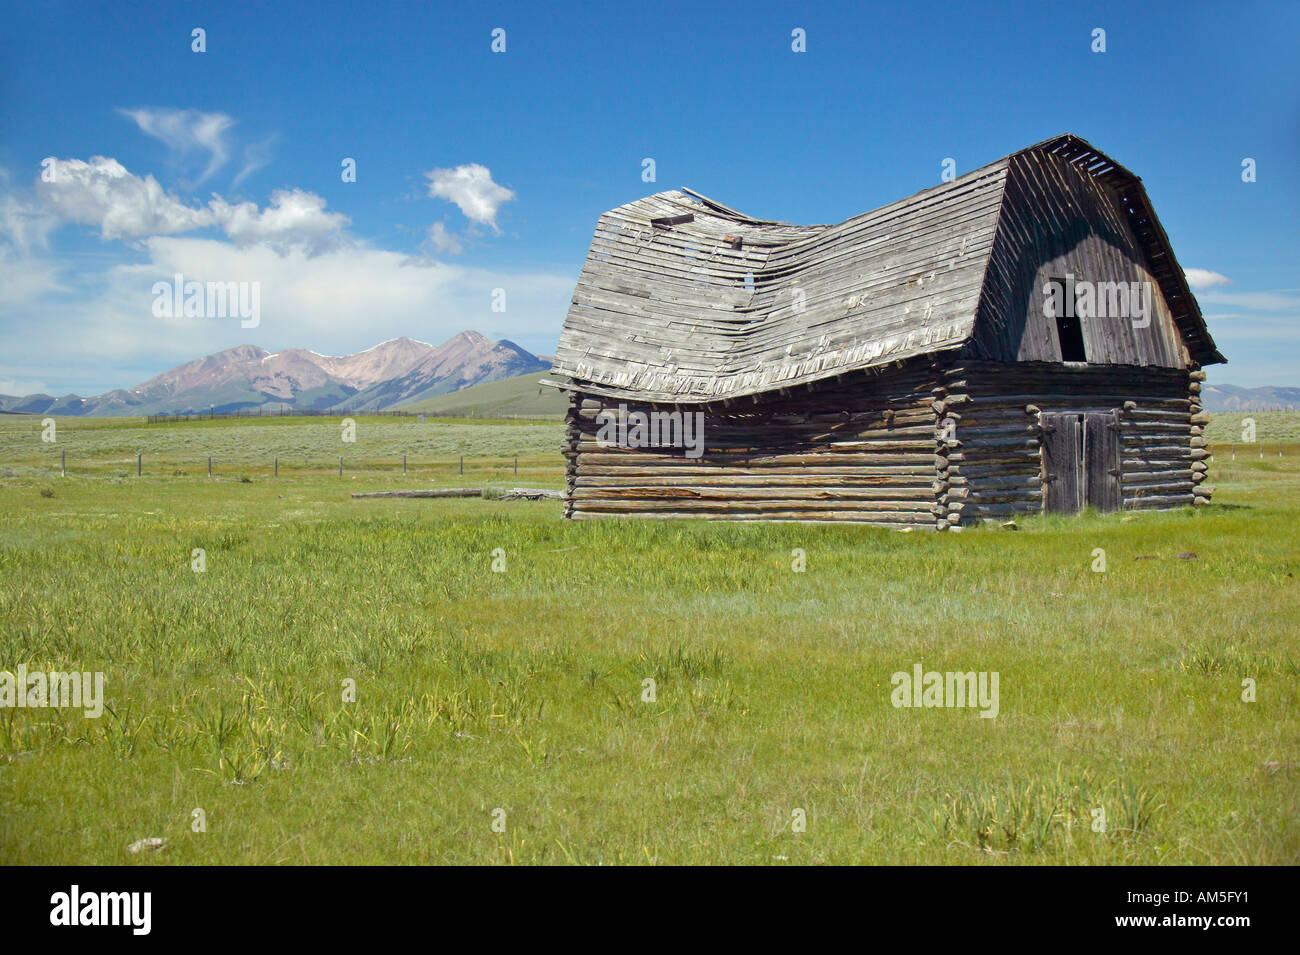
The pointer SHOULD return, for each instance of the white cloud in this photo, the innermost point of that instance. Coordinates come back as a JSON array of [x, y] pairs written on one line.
[[345, 298], [293, 218], [103, 192], [471, 188], [1201, 279], [444, 241], [186, 132]]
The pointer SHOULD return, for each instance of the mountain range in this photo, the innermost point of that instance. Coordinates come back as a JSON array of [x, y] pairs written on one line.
[[1234, 398], [392, 373]]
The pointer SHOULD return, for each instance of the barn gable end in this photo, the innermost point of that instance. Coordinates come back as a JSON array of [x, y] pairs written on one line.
[[1065, 215]]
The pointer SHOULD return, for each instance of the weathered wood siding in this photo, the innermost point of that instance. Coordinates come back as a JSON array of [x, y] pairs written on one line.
[[996, 467], [862, 448], [1058, 221]]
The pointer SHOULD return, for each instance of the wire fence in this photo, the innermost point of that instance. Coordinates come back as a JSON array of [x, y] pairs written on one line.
[[273, 413], [1246, 450], [466, 413], [143, 465]]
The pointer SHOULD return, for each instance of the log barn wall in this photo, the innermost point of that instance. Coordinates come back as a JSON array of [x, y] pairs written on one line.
[[996, 468], [862, 448]]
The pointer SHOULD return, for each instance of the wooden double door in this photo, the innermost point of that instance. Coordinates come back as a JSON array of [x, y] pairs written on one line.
[[1081, 461]]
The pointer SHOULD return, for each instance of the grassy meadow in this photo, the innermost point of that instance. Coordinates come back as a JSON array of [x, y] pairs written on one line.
[[500, 715]]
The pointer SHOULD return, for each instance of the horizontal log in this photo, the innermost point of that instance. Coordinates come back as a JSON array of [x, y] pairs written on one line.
[[1001, 510], [647, 459], [1003, 496], [774, 477], [427, 492], [904, 440], [724, 494], [830, 517], [983, 482], [1134, 478], [1157, 501], [828, 511]]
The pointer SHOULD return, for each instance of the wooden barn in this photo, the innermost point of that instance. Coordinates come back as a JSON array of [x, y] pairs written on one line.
[[1016, 340]]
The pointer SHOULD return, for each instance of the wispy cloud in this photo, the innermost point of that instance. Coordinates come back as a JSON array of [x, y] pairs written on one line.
[[471, 188], [256, 156], [188, 132], [14, 387], [25, 225], [444, 240], [1201, 279], [1279, 301]]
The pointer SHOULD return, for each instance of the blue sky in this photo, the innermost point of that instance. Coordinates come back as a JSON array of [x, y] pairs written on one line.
[[479, 170]]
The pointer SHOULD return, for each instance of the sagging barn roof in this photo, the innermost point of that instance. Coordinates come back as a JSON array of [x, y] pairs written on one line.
[[684, 300]]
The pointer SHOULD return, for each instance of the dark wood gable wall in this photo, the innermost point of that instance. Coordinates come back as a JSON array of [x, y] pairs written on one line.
[[1056, 221]]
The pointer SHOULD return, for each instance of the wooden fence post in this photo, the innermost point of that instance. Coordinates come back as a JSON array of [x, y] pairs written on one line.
[[516, 465], [63, 463], [403, 464], [462, 464], [275, 467], [209, 465], [139, 464], [340, 465]]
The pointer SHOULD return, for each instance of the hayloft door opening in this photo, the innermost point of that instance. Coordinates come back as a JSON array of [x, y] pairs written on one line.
[[1081, 462], [1069, 326]]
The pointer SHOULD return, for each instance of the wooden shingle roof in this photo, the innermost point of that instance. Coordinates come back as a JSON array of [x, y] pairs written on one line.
[[682, 299]]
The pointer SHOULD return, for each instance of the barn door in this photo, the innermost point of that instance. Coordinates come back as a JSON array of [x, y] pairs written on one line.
[[1101, 460], [1062, 442], [1081, 464]]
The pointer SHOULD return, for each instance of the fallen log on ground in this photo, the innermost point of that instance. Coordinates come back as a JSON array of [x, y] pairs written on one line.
[[427, 492], [512, 494]]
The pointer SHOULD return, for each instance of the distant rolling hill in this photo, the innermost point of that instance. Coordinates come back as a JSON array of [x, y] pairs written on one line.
[[521, 395]]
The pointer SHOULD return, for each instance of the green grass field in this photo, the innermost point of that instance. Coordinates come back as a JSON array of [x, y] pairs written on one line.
[[522, 690]]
